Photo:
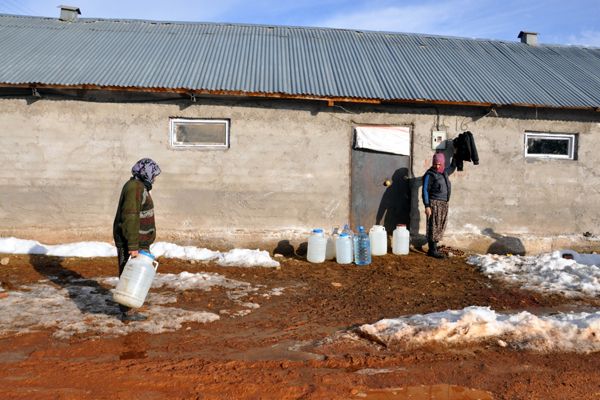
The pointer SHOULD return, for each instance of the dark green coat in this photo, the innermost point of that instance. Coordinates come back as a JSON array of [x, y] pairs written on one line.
[[134, 227]]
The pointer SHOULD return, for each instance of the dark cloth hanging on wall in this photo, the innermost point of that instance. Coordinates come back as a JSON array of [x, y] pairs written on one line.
[[464, 150]]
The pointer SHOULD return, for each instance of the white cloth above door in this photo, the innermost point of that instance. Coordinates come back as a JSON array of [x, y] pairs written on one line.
[[388, 139]]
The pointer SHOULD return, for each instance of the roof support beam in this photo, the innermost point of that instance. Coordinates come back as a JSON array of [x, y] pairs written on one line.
[[330, 100]]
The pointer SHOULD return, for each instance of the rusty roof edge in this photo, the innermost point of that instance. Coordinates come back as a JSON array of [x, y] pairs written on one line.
[[266, 95]]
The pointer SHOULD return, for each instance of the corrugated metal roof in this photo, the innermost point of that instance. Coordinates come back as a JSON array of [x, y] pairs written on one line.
[[294, 61]]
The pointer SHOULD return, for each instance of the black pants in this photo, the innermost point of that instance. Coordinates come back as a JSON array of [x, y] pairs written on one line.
[[122, 257]]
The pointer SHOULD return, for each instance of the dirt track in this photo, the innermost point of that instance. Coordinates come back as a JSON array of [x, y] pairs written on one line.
[[293, 346]]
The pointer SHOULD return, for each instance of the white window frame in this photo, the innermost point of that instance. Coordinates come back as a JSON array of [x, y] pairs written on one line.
[[197, 121], [571, 137]]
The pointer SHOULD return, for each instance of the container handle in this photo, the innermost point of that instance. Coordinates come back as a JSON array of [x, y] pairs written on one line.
[[155, 265]]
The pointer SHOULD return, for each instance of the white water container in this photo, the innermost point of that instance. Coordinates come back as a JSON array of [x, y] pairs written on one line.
[[343, 249], [317, 245], [330, 249], [349, 232], [378, 237], [400, 240], [136, 279]]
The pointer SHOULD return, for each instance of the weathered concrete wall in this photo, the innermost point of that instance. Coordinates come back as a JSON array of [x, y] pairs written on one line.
[[65, 162], [510, 203], [287, 171]]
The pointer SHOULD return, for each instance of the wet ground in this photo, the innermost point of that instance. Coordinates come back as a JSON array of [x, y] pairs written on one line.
[[298, 345]]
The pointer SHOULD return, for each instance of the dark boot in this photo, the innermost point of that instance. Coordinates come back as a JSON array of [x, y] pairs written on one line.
[[129, 314], [132, 315], [433, 251]]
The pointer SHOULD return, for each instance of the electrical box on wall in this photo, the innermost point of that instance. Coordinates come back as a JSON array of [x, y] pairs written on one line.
[[438, 140]]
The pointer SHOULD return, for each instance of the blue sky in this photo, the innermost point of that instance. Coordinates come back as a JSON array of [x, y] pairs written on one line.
[[556, 21]]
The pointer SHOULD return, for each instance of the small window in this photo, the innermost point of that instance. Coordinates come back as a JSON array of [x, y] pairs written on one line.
[[550, 145], [203, 133]]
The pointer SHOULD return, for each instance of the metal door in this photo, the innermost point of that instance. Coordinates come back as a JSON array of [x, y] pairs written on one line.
[[372, 202]]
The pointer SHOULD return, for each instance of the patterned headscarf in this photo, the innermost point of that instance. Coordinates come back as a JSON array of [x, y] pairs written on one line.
[[439, 158], [146, 170]]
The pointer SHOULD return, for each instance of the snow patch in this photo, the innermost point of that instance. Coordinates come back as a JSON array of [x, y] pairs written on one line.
[[247, 258], [80, 249], [235, 257], [84, 307], [578, 332], [84, 310], [547, 273]]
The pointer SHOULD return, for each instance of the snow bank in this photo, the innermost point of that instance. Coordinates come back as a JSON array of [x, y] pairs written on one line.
[[550, 273], [579, 332], [235, 257], [80, 249], [170, 250], [247, 258], [580, 258]]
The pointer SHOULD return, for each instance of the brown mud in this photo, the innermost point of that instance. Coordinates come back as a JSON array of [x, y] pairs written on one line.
[[296, 346]]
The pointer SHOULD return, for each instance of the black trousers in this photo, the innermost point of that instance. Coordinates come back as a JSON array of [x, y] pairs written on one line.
[[122, 258]]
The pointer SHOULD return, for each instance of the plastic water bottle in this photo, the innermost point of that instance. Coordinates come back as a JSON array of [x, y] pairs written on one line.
[[343, 249], [378, 237], [317, 244], [349, 232], [330, 250], [136, 279], [362, 247], [400, 240]]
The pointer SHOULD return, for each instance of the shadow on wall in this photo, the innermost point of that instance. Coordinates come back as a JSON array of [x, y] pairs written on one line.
[[394, 207], [417, 239], [504, 244], [87, 294]]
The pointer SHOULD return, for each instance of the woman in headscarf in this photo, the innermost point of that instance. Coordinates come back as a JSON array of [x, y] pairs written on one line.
[[436, 194], [134, 228]]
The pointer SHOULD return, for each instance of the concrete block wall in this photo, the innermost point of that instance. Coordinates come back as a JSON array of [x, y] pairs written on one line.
[[287, 171], [510, 203], [66, 161]]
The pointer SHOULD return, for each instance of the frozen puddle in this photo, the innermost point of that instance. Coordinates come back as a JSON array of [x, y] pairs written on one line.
[[578, 332], [83, 306]]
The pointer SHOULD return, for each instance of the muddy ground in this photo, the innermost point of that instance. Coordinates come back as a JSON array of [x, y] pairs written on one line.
[[293, 346]]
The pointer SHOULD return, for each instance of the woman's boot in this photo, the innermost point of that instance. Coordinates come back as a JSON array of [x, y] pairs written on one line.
[[433, 251]]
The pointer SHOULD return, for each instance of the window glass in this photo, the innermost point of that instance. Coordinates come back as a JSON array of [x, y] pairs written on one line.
[[550, 145], [547, 146], [208, 133]]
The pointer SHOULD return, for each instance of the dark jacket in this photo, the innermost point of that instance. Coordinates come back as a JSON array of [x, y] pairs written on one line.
[[464, 150], [436, 186], [134, 226]]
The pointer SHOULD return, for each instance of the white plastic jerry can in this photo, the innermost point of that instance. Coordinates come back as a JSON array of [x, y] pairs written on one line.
[[378, 237], [317, 246], [343, 249], [330, 249], [400, 240], [136, 279]]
